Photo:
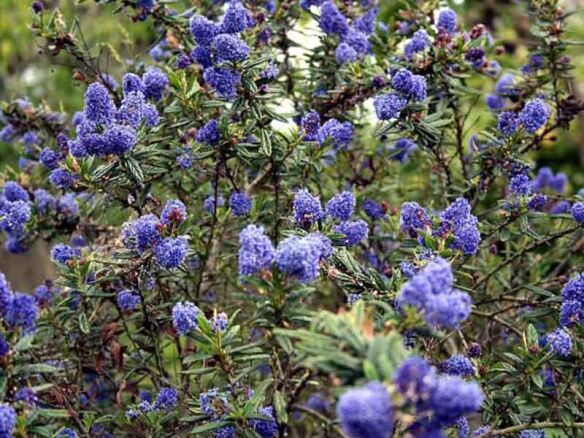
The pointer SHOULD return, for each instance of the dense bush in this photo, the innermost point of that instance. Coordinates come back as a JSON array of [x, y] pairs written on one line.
[[287, 223]]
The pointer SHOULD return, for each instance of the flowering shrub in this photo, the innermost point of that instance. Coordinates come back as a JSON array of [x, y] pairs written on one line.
[[255, 237]]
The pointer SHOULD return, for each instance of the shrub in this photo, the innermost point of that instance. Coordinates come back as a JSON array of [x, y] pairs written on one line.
[[382, 267]]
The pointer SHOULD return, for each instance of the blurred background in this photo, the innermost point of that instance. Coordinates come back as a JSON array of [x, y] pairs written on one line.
[[118, 41]]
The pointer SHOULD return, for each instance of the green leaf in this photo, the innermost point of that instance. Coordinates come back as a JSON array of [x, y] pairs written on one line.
[[207, 427], [83, 323], [280, 405]]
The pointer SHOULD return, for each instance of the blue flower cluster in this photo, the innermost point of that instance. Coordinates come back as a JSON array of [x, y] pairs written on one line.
[[15, 212], [457, 365], [431, 292], [256, 252], [338, 134], [300, 257], [353, 38], [366, 412], [128, 300], [531, 118], [240, 204], [148, 232], [18, 310], [437, 401], [216, 405], [297, 257], [184, 317], [219, 46], [455, 221], [102, 129], [402, 149], [572, 311], [407, 87]]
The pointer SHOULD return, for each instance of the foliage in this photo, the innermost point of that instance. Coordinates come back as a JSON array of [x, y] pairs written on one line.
[[290, 221]]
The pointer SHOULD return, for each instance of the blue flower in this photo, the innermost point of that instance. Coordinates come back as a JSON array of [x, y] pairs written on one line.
[[402, 81], [354, 231], [223, 80], [62, 179], [43, 295], [339, 133], [332, 21], [62, 253], [240, 204], [415, 380], [495, 102], [574, 289], [66, 433], [99, 106], [457, 365], [13, 216], [213, 403], [119, 139], [506, 86], [532, 433], [358, 41], [135, 110], [4, 346], [578, 212], [236, 18], [211, 203], [507, 123], [49, 158], [413, 218], [219, 322], [453, 397], [209, 133], [458, 219], [155, 83], [462, 427], [306, 208], [256, 252], [170, 253], [132, 83], [537, 202], [447, 20], [174, 212], [299, 257], [184, 317], [345, 54], [310, 124], [27, 396], [571, 312], [203, 30], [366, 412], [167, 400], [265, 427], [419, 42], [366, 22], [558, 182], [534, 115], [373, 209], [341, 206], [141, 233], [560, 207], [475, 350], [402, 149], [230, 48], [22, 311], [430, 292], [128, 300], [560, 342], [520, 185], [389, 106]]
